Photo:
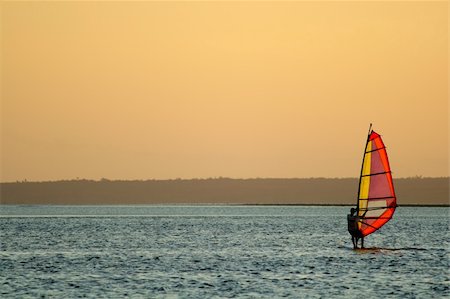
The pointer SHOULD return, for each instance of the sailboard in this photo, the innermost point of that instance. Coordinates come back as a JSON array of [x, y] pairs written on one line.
[[376, 195]]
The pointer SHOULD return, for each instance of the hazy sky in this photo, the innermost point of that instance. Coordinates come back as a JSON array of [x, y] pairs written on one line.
[[143, 90]]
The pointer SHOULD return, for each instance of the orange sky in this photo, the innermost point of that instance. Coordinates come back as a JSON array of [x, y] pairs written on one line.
[[160, 90]]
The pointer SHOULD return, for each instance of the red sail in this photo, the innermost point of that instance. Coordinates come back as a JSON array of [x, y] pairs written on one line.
[[376, 198]]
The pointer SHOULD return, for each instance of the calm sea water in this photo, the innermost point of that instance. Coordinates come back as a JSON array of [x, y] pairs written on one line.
[[218, 251]]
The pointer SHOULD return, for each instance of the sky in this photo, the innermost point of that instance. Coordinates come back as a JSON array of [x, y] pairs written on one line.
[[161, 90]]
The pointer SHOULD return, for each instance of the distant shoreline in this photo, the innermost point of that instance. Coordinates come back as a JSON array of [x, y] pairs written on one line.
[[25, 181], [232, 205], [219, 191]]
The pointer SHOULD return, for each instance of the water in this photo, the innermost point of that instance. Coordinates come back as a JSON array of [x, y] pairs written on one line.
[[218, 251]]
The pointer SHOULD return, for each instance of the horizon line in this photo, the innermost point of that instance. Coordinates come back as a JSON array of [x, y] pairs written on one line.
[[204, 179]]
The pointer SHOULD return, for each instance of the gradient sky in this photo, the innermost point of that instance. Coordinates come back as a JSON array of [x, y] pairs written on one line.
[[161, 90]]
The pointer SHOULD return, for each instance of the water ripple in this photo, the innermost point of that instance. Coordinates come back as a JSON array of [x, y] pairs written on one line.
[[242, 256]]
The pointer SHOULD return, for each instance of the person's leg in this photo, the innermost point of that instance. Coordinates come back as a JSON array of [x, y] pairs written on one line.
[[356, 242], [353, 242], [362, 242]]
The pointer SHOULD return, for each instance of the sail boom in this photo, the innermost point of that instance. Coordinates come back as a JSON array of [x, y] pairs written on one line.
[[377, 217], [374, 209]]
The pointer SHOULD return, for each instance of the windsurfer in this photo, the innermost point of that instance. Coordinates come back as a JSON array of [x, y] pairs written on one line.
[[353, 229]]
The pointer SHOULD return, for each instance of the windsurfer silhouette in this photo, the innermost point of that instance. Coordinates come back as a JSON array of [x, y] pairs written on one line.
[[353, 229]]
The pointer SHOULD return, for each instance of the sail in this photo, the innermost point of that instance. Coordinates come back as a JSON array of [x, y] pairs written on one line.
[[376, 198]]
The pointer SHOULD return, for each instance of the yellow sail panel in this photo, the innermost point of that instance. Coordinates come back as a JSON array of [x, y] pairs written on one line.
[[363, 195], [365, 181], [364, 189], [367, 159]]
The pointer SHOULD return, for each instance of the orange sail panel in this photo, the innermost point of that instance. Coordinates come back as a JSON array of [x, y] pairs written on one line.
[[376, 198]]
